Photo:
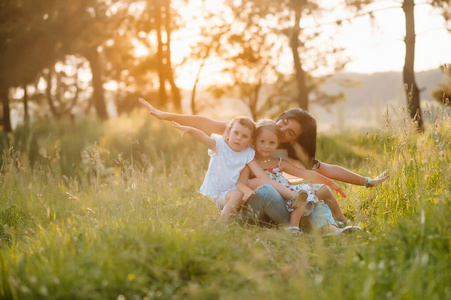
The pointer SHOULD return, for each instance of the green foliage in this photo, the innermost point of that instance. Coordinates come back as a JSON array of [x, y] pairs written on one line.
[[127, 221], [443, 92]]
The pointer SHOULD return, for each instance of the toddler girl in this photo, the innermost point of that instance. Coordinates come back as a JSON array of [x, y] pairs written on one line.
[[266, 142]]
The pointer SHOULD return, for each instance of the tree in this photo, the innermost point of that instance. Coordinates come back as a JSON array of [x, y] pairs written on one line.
[[149, 25], [37, 34], [209, 45], [91, 24], [26, 46], [253, 72], [444, 6], [163, 16], [63, 86], [284, 19], [410, 86]]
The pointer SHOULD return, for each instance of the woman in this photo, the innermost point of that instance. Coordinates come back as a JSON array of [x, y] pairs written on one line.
[[298, 143]]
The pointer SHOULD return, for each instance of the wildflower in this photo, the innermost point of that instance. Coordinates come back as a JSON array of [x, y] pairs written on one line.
[[131, 277]]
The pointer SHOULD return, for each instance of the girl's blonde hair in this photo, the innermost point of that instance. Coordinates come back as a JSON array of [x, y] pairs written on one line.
[[244, 121], [267, 124]]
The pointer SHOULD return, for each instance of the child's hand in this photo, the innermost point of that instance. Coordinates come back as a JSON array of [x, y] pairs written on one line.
[[247, 194], [183, 129], [379, 179], [153, 111]]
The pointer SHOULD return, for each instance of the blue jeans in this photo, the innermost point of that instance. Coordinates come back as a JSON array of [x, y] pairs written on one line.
[[321, 216], [266, 206]]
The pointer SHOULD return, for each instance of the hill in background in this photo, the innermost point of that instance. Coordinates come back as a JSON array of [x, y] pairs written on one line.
[[369, 96]]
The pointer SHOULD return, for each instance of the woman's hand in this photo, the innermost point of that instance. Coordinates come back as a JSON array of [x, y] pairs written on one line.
[[338, 189], [378, 180], [153, 111]]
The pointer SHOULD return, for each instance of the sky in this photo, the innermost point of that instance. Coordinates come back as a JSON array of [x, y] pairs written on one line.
[[383, 49], [375, 46]]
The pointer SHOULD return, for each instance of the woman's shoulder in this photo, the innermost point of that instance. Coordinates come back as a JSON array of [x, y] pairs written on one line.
[[281, 153], [286, 162]]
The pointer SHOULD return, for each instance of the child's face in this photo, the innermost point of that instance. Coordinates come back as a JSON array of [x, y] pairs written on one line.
[[266, 143], [239, 137]]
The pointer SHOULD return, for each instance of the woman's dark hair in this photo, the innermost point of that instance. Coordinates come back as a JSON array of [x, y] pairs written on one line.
[[307, 139]]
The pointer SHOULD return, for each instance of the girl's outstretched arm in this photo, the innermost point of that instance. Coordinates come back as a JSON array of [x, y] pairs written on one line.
[[344, 175], [309, 175], [205, 124], [197, 134]]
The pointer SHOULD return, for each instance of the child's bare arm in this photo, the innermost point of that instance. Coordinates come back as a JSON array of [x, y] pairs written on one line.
[[242, 183], [199, 122], [197, 134], [263, 178], [310, 176]]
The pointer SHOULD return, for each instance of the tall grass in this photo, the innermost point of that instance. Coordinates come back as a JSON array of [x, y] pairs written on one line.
[[113, 213]]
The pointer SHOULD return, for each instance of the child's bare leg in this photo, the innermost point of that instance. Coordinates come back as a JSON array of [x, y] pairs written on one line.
[[234, 201], [298, 209], [329, 228], [327, 196]]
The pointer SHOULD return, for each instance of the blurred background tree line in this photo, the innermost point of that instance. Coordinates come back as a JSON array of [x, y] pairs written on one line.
[[68, 59]]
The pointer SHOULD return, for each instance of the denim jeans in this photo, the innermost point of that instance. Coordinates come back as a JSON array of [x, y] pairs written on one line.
[[321, 216], [266, 206]]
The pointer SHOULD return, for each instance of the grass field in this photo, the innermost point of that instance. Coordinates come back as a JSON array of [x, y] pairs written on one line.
[[112, 212]]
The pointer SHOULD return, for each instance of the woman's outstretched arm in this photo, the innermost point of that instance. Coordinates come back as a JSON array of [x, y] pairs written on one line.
[[205, 124], [341, 174]]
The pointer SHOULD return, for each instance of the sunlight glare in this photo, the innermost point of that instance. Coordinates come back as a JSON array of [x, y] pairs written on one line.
[[140, 50], [111, 85]]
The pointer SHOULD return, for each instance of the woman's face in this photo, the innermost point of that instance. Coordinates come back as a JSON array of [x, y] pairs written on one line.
[[290, 130]]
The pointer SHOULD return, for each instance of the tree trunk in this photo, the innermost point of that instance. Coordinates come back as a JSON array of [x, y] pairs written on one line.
[[26, 116], [254, 99], [6, 111], [303, 93], [176, 97], [97, 83], [48, 93], [410, 86], [160, 56], [193, 92]]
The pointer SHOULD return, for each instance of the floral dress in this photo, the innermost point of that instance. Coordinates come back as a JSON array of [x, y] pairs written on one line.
[[308, 188]]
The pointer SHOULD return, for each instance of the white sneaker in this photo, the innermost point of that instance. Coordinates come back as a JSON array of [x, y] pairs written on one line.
[[346, 230], [350, 229], [294, 230]]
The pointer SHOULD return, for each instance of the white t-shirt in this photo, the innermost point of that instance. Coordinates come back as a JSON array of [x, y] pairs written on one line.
[[224, 168]]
